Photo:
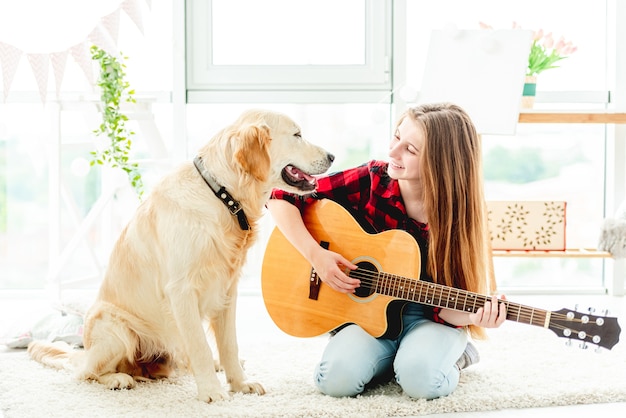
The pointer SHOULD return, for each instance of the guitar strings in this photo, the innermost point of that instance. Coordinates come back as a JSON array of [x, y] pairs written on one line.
[[372, 279]]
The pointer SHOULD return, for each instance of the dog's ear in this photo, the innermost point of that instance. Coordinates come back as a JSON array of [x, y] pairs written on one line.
[[252, 150]]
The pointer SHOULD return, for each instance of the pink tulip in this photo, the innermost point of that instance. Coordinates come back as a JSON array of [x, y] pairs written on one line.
[[568, 49], [560, 45], [548, 41], [545, 50]]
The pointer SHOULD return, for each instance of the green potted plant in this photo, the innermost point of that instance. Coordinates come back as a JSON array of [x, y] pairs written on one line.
[[115, 90], [545, 52]]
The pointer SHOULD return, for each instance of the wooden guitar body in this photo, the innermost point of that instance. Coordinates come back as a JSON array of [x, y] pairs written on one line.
[[288, 279]]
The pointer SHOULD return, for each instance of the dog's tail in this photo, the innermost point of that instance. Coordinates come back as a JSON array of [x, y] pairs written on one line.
[[58, 355]]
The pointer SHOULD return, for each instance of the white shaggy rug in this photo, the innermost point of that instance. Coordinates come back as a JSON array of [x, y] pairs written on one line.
[[521, 367]]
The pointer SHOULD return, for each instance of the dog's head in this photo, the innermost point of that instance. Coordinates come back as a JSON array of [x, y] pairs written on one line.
[[269, 147]]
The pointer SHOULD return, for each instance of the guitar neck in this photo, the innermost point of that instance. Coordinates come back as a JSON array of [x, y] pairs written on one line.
[[446, 297], [302, 307]]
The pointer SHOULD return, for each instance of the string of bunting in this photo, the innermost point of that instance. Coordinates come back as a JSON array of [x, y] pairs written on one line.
[[103, 34]]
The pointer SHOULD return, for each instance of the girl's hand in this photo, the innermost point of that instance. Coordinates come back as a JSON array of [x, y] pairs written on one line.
[[330, 268], [492, 315]]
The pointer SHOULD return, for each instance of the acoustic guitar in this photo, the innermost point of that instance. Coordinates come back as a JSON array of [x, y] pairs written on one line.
[[301, 305]]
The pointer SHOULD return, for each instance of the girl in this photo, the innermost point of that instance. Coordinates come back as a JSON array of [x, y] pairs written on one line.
[[432, 188]]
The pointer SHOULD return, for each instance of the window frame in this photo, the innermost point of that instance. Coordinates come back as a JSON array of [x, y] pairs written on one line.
[[209, 83]]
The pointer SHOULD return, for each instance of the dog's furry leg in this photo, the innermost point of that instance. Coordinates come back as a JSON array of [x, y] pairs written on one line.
[[224, 328], [108, 344], [186, 314]]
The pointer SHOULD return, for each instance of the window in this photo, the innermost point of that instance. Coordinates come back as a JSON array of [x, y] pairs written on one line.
[[541, 161], [583, 71], [287, 46], [46, 184], [340, 71]]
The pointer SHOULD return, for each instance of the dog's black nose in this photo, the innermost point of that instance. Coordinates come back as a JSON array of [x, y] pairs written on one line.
[[331, 157]]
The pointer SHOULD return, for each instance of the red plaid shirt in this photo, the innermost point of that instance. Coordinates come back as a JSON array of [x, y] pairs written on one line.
[[369, 193]]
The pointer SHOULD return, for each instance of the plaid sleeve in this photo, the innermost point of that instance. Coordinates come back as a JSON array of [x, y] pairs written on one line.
[[343, 186], [439, 320], [294, 199]]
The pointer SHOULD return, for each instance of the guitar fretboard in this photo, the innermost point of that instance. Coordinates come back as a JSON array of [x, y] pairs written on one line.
[[445, 297]]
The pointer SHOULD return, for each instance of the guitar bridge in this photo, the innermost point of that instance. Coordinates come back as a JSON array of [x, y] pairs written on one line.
[[314, 279]]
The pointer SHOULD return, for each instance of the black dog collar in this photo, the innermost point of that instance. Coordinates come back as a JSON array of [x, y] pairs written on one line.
[[233, 205]]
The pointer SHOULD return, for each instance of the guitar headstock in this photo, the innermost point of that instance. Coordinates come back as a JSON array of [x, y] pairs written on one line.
[[602, 331]]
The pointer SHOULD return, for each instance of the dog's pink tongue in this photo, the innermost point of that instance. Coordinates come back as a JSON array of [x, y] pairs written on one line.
[[298, 174]]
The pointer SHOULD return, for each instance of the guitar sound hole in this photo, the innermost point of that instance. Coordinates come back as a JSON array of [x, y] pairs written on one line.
[[367, 273]]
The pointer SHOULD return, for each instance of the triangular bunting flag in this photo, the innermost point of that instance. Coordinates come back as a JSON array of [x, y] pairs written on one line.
[[39, 64], [111, 23], [81, 55], [9, 59], [100, 37], [133, 10], [58, 59], [104, 35]]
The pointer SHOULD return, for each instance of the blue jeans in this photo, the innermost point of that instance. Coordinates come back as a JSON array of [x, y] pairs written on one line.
[[422, 358]]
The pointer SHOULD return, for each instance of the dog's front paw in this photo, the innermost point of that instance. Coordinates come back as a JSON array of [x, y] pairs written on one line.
[[248, 387], [117, 381], [213, 395]]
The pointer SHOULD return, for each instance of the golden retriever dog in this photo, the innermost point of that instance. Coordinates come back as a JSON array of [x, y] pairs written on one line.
[[176, 265]]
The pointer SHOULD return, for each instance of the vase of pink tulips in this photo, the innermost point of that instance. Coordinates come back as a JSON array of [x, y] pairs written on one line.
[[545, 52]]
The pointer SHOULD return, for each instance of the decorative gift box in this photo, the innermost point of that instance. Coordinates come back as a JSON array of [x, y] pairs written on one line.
[[527, 225]]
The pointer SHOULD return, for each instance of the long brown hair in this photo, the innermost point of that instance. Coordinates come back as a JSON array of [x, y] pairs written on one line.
[[454, 199]]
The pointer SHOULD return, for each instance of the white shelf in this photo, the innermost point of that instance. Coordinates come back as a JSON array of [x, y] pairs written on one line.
[[570, 252]]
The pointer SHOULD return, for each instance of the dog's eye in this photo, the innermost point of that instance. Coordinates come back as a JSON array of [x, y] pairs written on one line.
[[298, 135]]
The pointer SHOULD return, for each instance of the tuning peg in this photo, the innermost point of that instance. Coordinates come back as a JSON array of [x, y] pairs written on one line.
[[591, 309], [576, 307], [583, 346], [604, 312], [568, 342]]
